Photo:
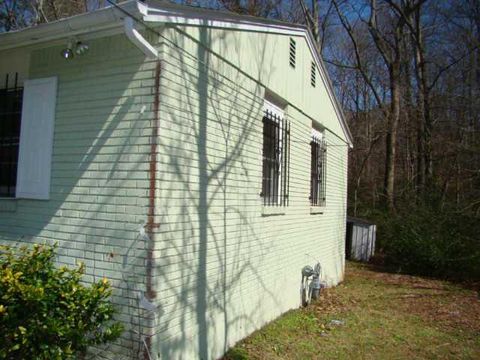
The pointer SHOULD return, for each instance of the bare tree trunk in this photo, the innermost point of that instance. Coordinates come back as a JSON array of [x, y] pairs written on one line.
[[421, 172], [425, 126], [315, 24], [421, 148], [409, 115], [391, 138]]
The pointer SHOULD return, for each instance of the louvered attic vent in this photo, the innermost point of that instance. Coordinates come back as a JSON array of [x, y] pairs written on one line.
[[313, 74], [293, 52]]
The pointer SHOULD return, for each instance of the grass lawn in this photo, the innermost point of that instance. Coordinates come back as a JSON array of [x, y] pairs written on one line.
[[384, 316]]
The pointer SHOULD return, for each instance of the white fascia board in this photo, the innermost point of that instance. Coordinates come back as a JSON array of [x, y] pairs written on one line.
[[138, 40], [109, 19], [96, 22], [245, 26], [329, 86], [160, 7], [167, 17], [210, 18]]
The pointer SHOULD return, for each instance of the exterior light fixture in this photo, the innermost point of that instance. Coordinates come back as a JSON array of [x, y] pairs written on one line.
[[72, 49], [81, 48], [67, 53]]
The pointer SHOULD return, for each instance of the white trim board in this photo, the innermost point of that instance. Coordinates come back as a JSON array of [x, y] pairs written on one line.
[[185, 15], [163, 12]]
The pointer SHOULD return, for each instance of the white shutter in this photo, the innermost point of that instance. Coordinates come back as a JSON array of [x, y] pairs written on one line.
[[36, 138]]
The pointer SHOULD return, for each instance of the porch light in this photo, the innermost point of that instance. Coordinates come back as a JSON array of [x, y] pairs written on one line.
[[74, 48], [81, 48], [67, 53]]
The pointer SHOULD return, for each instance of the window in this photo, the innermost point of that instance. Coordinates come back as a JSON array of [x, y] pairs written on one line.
[[318, 172], [10, 117], [293, 52], [276, 157]]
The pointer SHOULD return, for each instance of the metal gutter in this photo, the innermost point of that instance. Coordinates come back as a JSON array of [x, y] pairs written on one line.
[[157, 11], [96, 22], [173, 10], [137, 39], [162, 12]]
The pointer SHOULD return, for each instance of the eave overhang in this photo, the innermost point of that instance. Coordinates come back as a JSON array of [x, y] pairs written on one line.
[[110, 20]]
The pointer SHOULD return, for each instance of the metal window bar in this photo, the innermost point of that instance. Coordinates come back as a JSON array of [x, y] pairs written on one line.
[[318, 172], [10, 117], [276, 160], [286, 196]]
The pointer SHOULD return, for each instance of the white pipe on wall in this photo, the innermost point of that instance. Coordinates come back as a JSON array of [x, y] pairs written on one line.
[[137, 39]]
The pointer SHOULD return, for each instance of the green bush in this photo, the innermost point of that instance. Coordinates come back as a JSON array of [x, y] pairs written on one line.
[[428, 241], [45, 311]]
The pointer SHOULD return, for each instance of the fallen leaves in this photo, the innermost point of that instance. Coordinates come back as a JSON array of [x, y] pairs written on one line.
[[374, 315]]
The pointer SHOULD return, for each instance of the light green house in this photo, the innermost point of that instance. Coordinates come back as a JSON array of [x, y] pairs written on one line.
[[198, 162]]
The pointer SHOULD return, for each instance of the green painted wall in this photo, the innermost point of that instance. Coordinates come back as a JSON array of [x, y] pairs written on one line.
[[223, 268], [99, 183]]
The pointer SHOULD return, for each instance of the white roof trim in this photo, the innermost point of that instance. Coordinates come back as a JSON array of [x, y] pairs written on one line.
[[137, 39], [161, 11], [168, 18], [109, 18], [156, 11], [329, 86], [95, 22]]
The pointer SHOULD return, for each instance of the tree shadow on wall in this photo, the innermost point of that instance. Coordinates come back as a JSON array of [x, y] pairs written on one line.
[[208, 142], [96, 201]]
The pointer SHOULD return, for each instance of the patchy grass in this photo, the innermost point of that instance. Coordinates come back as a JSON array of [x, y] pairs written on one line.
[[383, 315]]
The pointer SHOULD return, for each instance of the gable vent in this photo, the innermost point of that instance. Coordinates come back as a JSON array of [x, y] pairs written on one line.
[[313, 74], [293, 52]]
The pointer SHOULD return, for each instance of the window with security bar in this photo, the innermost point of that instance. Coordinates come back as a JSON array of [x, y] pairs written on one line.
[[276, 159], [10, 118], [318, 173]]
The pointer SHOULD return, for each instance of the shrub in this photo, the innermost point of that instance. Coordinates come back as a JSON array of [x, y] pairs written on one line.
[[427, 241], [45, 311]]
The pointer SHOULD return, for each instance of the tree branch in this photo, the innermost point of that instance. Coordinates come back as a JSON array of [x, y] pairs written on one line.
[[447, 67], [360, 66]]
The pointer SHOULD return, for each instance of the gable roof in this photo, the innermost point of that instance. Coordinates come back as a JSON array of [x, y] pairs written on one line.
[[109, 20]]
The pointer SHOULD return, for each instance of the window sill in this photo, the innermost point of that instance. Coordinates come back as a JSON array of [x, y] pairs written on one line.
[[273, 210], [8, 204], [317, 209]]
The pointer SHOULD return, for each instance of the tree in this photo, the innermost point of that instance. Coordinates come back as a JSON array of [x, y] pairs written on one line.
[[18, 14], [386, 30]]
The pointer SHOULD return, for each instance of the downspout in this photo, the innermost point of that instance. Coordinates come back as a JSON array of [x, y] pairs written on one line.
[[152, 192], [152, 195], [151, 53], [137, 39]]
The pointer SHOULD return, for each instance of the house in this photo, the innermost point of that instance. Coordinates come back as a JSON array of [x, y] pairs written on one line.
[[196, 158]]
